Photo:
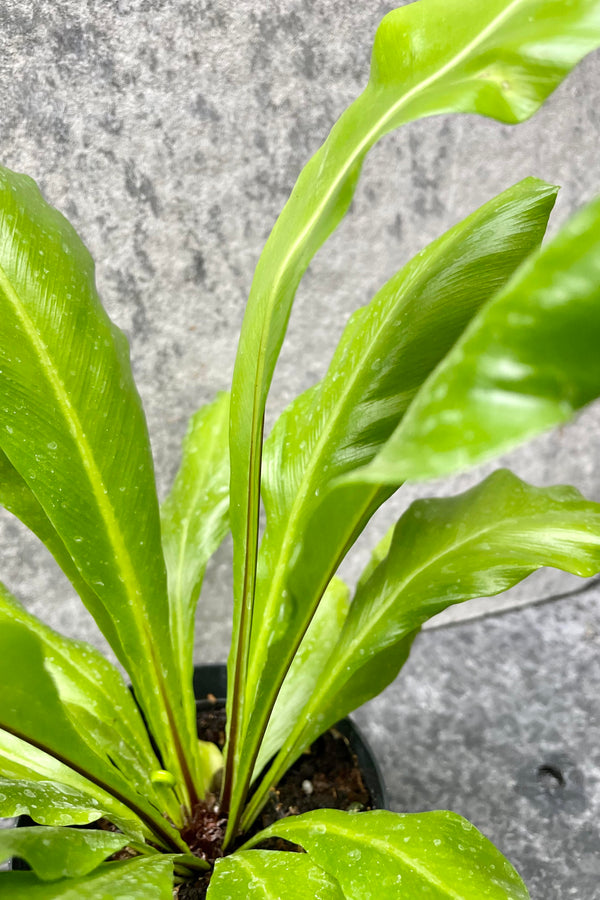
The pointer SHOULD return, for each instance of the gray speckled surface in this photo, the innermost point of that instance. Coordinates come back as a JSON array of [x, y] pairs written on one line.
[[171, 133], [486, 718]]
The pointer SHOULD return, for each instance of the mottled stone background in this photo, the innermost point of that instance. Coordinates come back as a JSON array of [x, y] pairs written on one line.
[[170, 134]]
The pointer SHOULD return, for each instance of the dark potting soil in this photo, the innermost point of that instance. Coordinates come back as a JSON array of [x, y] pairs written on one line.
[[324, 777]]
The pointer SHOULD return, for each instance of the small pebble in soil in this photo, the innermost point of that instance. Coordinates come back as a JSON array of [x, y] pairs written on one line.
[[326, 776]]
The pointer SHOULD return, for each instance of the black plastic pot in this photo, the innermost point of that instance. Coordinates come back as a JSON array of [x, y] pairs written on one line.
[[212, 680]]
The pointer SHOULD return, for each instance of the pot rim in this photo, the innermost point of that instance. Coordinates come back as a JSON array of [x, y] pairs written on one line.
[[211, 678]]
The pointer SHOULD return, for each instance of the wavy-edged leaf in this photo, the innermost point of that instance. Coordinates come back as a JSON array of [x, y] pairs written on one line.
[[378, 554], [97, 702], [438, 855], [443, 551], [32, 711], [18, 499], [195, 519], [306, 669], [387, 349], [54, 853], [68, 800], [527, 362], [145, 878], [271, 875], [34, 783], [501, 58], [195, 515], [72, 425]]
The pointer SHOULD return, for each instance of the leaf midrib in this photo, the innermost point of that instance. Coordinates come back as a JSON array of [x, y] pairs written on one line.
[[252, 498], [158, 826], [306, 483], [107, 513], [70, 671], [371, 135], [354, 156], [458, 546], [245, 863], [359, 641], [128, 577], [363, 145], [331, 420], [387, 848], [432, 561], [85, 675], [185, 524]]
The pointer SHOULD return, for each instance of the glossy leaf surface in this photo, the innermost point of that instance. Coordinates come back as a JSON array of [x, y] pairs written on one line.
[[387, 350], [54, 853], [501, 59], [72, 425], [31, 710], [307, 668], [148, 878], [96, 701], [37, 784], [528, 361], [67, 800], [380, 854], [34, 783], [195, 519], [18, 499], [195, 515], [271, 875], [373, 675], [443, 551]]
